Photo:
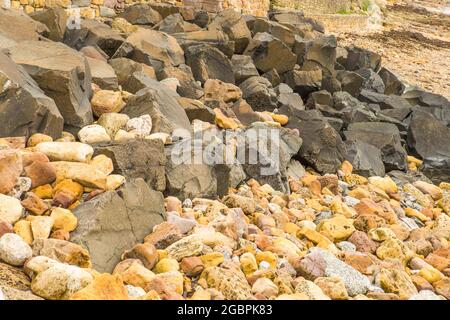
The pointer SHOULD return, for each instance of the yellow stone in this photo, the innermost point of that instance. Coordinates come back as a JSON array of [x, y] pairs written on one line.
[[359, 193], [201, 294], [337, 228], [410, 212], [394, 249], [386, 184], [69, 185], [411, 159], [381, 234], [161, 254], [280, 118], [223, 121], [444, 185], [212, 259], [44, 192], [355, 180], [291, 228], [166, 265], [248, 263], [346, 168], [267, 256], [23, 229], [64, 219], [173, 280], [137, 275], [430, 274], [104, 287], [37, 138], [41, 226]]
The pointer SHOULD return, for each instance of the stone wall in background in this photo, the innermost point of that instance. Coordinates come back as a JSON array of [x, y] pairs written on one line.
[[94, 8], [253, 7], [315, 6]]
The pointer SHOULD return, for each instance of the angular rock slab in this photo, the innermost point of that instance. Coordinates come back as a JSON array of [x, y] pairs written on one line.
[[138, 158], [94, 33], [24, 108], [155, 48], [430, 139], [16, 26], [63, 74], [161, 104], [115, 221]]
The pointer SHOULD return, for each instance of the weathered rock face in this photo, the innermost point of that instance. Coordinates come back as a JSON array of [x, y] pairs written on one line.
[[24, 108], [322, 147], [259, 93], [160, 103], [384, 136], [55, 19], [138, 159], [63, 74], [132, 76], [141, 14], [234, 25], [365, 158], [428, 138], [114, 221], [16, 26], [270, 53], [96, 34], [208, 62], [155, 48]]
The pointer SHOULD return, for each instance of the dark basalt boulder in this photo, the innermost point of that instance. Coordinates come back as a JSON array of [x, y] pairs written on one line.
[[429, 139]]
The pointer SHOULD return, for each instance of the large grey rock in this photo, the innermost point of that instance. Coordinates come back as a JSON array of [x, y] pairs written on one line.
[[176, 24], [384, 136], [56, 21], [63, 74], [188, 179], [213, 37], [429, 139], [138, 158], [304, 82], [270, 53], [279, 31], [234, 25], [103, 74], [274, 149], [155, 48], [259, 93], [322, 148], [131, 75], [358, 58], [365, 158], [426, 99], [24, 108], [208, 62], [160, 103], [243, 68], [188, 88], [16, 26], [372, 80], [391, 82], [384, 101], [351, 82], [93, 33], [115, 221], [141, 14]]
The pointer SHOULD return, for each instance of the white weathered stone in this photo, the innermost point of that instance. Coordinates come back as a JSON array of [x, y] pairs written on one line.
[[14, 250], [66, 151], [93, 134], [11, 209]]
